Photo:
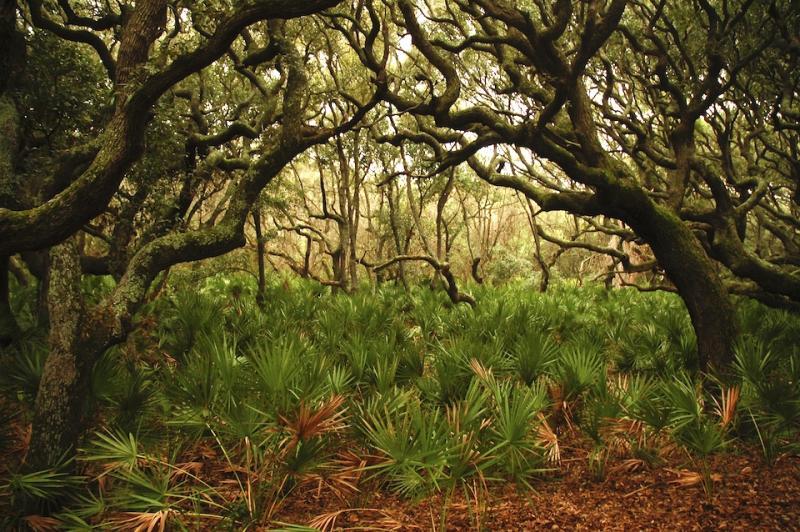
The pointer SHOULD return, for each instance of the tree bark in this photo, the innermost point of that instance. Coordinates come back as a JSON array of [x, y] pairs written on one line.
[[441, 269], [693, 273], [9, 330], [62, 389], [475, 270], [260, 254], [394, 222]]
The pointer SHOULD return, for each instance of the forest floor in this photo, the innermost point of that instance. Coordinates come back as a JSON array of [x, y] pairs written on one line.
[[747, 495]]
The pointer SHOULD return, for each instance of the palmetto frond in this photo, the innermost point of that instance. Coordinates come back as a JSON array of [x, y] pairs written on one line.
[[142, 521], [685, 478], [385, 520], [41, 523], [41, 488], [548, 440], [726, 406], [310, 422]]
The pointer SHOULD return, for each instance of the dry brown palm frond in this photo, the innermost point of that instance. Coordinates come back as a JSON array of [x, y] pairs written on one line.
[[566, 412], [326, 521], [349, 460], [328, 417], [141, 521], [206, 451], [342, 484], [483, 373], [17, 437], [686, 478], [339, 476], [384, 521], [620, 433], [236, 468], [22, 437], [41, 523], [627, 427], [668, 447], [348, 468], [629, 465], [185, 469], [549, 440], [726, 407]]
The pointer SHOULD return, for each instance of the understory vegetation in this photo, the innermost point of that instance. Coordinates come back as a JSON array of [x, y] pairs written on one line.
[[216, 410]]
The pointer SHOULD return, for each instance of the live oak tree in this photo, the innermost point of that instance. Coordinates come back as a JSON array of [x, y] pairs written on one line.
[[150, 63], [84, 175], [138, 84]]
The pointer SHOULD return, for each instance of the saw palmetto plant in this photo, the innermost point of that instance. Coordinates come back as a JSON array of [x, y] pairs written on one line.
[[251, 405], [769, 396]]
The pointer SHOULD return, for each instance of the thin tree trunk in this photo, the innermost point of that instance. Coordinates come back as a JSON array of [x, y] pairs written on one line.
[[307, 258], [260, 254], [530, 215], [354, 211], [475, 270], [344, 220], [394, 222]]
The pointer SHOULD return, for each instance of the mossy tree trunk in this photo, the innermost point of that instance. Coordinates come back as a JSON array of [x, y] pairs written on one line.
[[687, 264], [261, 252], [65, 377], [695, 276], [9, 329]]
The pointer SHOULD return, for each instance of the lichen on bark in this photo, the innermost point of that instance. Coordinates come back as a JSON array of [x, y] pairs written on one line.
[[57, 411]]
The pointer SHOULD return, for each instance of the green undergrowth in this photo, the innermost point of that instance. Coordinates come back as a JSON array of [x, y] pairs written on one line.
[[217, 410]]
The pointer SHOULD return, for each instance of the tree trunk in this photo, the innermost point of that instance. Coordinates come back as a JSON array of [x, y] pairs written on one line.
[[394, 223], [475, 270], [260, 254], [42, 293], [62, 390], [9, 330], [693, 273], [530, 212], [354, 212], [38, 264]]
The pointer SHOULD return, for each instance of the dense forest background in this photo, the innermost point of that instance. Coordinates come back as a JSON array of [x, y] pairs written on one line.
[[256, 251]]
